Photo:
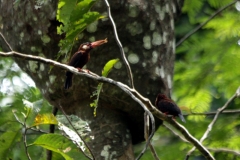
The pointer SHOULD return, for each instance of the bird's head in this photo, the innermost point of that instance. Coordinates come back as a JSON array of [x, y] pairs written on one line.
[[90, 45], [161, 96]]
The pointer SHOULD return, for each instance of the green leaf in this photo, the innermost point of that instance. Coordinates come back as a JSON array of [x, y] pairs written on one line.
[[106, 70], [217, 3], [59, 144], [108, 67], [7, 139], [192, 8], [75, 16]]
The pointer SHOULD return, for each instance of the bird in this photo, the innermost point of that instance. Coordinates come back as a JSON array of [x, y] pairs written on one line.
[[168, 106], [80, 58]]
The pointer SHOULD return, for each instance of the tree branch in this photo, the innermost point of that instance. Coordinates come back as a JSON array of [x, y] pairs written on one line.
[[146, 133], [142, 101], [129, 71], [24, 134], [204, 23], [232, 111], [4, 39], [237, 153], [220, 110]]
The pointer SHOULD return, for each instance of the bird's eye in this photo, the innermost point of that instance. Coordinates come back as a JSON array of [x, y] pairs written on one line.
[[85, 47]]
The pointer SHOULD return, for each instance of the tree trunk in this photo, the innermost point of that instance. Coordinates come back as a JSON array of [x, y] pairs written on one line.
[[146, 30]]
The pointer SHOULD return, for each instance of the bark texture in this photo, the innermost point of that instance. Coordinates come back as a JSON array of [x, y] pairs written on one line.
[[146, 30]]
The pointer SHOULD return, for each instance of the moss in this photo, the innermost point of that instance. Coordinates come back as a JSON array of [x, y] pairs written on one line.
[[92, 27], [133, 11], [154, 57], [147, 42], [45, 39], [32, 66], [134, 28], [133, 58], [157, 39], [152, 25]]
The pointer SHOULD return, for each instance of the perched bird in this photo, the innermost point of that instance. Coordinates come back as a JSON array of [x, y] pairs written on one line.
[[80, 58], [167, 106]]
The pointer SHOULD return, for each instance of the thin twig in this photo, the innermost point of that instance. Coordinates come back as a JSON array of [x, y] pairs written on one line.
[[232, 111], [6, 41], [146, 133], [237, 153], [69, 121], [24, 134], [204, 23], [136, 96], [129, 71], [220, 110], [174, 131]]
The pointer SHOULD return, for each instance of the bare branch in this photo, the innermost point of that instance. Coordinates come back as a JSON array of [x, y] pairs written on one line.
[[191, 139], [120, 46], [24, 134], [136, 96], [237, 153], [175, 132], [146, 133], [220, 110], [232, 111], [204, 23], [6, 41]]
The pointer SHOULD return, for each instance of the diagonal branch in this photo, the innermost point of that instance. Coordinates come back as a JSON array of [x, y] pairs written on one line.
[[136, 96], [220, 110], [129, 71], [9, 46], [232, 111], [146, 133], [204, 23], [237, 153]]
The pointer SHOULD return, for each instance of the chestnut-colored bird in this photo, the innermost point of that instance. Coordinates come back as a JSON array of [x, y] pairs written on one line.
[[80, 58], [168, 106]]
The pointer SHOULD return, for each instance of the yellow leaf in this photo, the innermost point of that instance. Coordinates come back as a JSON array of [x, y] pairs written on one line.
[[45, 119]]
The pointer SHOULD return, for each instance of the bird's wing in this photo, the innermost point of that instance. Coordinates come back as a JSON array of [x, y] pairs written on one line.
[[170, 107], [164, 106], [75, 59]]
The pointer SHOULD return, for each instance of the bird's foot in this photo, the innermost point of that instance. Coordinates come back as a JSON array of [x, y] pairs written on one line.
[[79, 69], [166, 113], [87, 71], [174, 118], [83, 70]]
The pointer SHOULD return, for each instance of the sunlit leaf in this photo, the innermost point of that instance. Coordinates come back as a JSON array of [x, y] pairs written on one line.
[[47, 118]]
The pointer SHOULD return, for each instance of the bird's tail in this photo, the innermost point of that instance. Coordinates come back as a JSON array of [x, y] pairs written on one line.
[[68, 81], [181, 117]]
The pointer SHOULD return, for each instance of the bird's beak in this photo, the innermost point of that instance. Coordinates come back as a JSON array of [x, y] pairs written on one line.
[[98, 43]]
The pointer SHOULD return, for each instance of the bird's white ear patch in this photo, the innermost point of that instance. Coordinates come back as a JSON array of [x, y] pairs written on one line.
[[84, 47]]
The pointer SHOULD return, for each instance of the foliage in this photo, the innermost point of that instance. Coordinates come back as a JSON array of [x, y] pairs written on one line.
[[74, 16], [106, 70], [206, 72], [60, 145]]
